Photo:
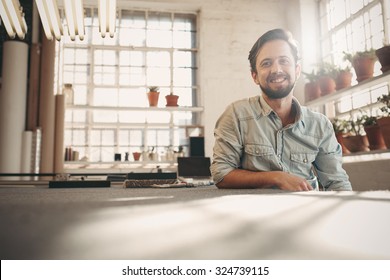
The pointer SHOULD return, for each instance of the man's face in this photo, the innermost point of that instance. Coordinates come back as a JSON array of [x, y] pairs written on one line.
[[276, 69]]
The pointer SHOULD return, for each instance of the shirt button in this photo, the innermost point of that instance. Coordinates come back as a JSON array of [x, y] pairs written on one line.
[[257, 151], [305, 160]]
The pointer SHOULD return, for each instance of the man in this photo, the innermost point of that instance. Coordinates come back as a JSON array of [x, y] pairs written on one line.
[[270, 140]]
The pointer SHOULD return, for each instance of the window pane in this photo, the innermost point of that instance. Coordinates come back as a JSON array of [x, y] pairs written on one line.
[[105, 97]]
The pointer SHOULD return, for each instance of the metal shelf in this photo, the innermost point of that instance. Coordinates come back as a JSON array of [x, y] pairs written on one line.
[[372, 83], [147, 109]]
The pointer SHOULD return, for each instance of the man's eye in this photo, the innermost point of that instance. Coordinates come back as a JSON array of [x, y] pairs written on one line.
[[284, 61], [265, 64]]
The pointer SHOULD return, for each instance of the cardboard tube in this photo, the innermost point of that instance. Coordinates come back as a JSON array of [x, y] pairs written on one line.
[[59, 134], [13, 105], [47, 106]]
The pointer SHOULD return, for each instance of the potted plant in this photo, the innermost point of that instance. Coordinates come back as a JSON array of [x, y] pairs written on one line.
[[326, 81], [312, 89], [172, 100], [384, 121], [373, 132], [342, 77], [356, 141], [339, 127], [153, 96], [363, 63], [383, 55]]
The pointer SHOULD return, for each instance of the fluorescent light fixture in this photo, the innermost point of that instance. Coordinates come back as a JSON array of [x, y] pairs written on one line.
[[78, 4], [107, 17], [50, 18], [112, 17], [74, 12], [13, 18]]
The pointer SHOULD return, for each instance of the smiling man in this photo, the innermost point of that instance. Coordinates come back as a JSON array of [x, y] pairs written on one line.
[[270, 140]]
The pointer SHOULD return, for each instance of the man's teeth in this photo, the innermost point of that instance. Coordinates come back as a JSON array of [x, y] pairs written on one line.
[[279, 80]]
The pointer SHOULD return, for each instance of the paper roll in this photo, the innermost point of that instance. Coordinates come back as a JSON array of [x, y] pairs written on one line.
[[26, 151], [59, 134], [26, 164], [13, 105], [47, 107]]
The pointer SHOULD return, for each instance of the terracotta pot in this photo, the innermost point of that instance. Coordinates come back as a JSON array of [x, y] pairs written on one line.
[[384, 124], [153, 98], [312, 91], [383, 55], [356, 143], [136, 156], [364, 67], [343, 80], [375, 138], [327, 85], [340, 139], [171, 100]]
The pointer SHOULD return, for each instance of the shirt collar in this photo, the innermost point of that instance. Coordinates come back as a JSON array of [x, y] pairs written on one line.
[[266, 109]]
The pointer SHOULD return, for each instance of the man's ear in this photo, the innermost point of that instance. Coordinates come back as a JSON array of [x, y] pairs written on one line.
[[298, 69], [254, 77]]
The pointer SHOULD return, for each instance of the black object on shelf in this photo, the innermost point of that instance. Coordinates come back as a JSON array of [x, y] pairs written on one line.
[[80, 184]]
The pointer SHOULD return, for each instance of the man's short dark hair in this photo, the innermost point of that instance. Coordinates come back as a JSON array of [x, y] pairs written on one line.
[[274, 34]]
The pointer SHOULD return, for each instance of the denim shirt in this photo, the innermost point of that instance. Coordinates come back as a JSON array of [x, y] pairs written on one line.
[[249, 135]]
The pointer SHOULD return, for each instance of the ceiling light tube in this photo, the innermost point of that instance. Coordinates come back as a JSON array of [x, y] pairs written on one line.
[[24, 24], [7, 23], [112, 17], [70, 18], [102, 17], [55, 18], [13, 7], [78, 7], [44, 19]]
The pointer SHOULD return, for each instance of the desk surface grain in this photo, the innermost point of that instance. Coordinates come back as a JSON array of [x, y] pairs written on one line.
[[192, 223]]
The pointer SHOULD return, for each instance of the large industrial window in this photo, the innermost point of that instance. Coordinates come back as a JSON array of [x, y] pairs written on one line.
[[351, 26], [109, 112]]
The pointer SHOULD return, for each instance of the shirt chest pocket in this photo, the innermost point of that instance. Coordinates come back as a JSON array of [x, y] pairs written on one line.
[[258, 157], [302, 162]]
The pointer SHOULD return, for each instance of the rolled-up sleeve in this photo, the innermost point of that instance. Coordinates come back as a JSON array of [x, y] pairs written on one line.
[[328, 163], [228, 145]]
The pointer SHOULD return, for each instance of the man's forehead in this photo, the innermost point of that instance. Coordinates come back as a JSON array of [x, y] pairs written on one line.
[[275, 49]]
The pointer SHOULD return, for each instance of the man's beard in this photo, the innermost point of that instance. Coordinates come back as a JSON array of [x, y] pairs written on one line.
[[279, 93]]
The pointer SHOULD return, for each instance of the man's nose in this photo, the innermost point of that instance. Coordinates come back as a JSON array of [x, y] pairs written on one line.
[[276, 67]]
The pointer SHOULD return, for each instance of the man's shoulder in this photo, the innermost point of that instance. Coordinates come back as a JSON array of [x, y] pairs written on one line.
[[246, 107], [309, 113], [246, 101], [314, 118]]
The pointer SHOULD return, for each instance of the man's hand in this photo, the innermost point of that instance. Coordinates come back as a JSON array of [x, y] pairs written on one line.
[[289, 182], [238, 179]]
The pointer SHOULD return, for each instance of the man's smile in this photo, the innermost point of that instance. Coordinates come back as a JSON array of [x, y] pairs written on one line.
[[277, 79]]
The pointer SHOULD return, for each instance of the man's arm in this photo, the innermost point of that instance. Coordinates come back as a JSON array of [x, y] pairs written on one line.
[[239, 178], [328, 163]]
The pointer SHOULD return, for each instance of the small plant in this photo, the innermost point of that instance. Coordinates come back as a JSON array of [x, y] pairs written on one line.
[[311, 77], [355, 127], [366, 120], [339, 126], [385, 99], [368, 53], [153, 89], [328, 69], [339, 69]]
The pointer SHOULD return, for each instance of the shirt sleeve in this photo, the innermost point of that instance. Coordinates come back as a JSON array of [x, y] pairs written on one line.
[[228, 145], [328, 163]]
